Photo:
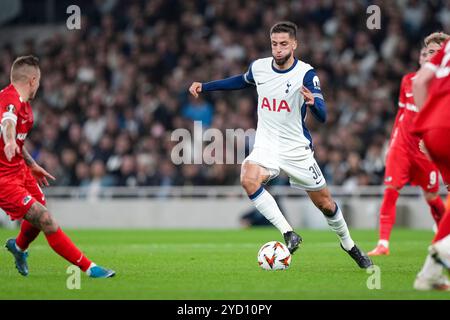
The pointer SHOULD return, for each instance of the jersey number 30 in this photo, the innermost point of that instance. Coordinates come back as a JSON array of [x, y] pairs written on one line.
[[315, 171]]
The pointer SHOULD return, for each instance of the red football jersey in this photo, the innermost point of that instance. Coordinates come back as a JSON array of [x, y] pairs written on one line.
[[401, 108], [436, 109], [12, 107], [402, 135]]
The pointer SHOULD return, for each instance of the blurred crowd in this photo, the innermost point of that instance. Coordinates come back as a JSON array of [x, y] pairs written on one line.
[[113, 92]]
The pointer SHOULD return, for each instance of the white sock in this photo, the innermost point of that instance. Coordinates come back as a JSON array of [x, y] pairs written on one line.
[[17, 247], [384, 243], [443, 248], [431, 268], [266, 204], [443, 244], [338, 225], [434, 228], [88, 271]]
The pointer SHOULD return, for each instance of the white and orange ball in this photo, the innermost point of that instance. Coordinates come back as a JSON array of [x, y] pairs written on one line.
[[274, 255]]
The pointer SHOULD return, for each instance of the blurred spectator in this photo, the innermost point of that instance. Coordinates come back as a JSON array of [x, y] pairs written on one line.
[[127, 176], [98, 179], [198, 110], [94, 126]]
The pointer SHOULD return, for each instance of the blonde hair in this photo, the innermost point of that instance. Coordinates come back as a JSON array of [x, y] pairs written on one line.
[[436, 37], [21, 67]]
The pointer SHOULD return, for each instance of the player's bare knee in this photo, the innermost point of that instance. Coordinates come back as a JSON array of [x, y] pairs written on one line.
[[396, 188], [49, 224], [40, 217], [430, 196], [250, 184]]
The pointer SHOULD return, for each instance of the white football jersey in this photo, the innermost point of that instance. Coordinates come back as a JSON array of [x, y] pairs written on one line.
[[281, 108]]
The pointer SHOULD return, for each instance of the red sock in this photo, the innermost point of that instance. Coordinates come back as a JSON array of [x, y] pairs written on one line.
[[444, 227], [26, 235], [387, 213], [437, 209], [62, 245]]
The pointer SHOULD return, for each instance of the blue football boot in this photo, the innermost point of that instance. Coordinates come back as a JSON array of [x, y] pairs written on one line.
[[100, 272], [19, 256]]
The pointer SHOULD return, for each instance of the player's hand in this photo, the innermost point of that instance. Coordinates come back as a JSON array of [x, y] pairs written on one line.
[[41, 175], [307, 95], [195, 89], [11, 148], [423, 149]]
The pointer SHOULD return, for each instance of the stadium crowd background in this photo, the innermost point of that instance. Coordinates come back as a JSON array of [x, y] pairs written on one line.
[[112, 92]]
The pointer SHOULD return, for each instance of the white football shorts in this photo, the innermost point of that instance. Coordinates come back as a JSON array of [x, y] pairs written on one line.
[[303, 173]]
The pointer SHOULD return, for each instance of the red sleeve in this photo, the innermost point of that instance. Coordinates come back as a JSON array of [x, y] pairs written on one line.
[[401, 107], [9, 108], [402, 95]]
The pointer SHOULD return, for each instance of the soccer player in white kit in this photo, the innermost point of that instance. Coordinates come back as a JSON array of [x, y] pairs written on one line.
[[286, 88]]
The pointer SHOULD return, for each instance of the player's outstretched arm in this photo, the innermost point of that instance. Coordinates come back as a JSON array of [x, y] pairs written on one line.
[[233, 83], [424, 76], [195, 89], [37, 171], [420, 85], [27, 157], [9, 138]]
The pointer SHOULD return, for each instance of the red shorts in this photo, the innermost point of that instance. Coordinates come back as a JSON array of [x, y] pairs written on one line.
[[19, 192], [438, 146], [417, 169]]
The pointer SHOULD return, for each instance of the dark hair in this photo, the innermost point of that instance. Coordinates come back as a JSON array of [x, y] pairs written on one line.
[[23, 61], [285, 26], [26, 61]]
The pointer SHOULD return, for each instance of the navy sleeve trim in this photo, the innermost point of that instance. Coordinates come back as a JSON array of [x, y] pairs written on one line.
[[319, 110], [232, 83], [248, 76], [311, 81]]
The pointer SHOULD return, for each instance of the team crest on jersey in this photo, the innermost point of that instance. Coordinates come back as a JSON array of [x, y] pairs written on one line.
[[316, 83], [288, 86], [26, 200]]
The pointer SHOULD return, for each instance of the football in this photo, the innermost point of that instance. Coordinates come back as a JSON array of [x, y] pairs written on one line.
[[274, 255]]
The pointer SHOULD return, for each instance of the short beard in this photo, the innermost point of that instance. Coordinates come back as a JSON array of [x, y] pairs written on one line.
[[282, 61]]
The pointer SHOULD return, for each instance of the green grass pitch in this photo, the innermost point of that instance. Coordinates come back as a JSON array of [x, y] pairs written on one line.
[[213, 264]]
